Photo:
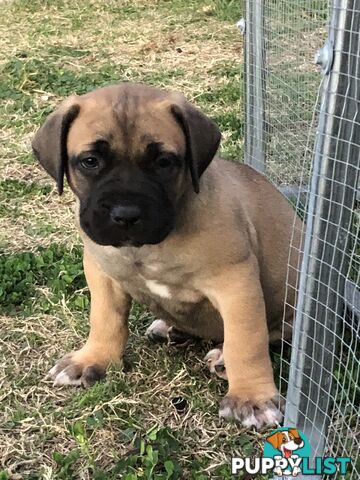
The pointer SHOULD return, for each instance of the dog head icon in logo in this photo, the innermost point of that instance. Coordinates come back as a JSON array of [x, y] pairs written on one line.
[[286, 441], [288, 446]]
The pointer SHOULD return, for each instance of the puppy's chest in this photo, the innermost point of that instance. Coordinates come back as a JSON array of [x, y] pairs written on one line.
[[145, 276]]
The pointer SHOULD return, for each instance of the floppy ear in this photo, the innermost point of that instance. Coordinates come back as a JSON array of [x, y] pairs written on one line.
[[294, 432], [274, 440], [202, 139], [49, 143]]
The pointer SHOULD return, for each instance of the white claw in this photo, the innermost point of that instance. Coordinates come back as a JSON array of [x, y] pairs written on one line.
[[158, 328], [213, 355], [52, 372], [273, 416], [268, 416], [63, 379], [251, 421], [226, 413]]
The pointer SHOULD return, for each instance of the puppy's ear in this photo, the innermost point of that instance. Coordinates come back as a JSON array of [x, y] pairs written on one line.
[[294, 432], [274, 440], [202, 138], [49, 144]]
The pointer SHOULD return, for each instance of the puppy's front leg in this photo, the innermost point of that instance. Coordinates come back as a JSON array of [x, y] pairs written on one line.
[[108, 331], [252, 396]]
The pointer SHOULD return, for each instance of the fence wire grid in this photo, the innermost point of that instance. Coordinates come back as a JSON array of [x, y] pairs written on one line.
[[303, 132]]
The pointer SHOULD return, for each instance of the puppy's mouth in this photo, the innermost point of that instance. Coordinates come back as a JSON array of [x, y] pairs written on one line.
[[124, 227], [110, 238], [125, 242]]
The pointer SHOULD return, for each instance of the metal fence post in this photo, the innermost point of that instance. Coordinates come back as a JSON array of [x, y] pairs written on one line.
[[255, 85], [320, 305]]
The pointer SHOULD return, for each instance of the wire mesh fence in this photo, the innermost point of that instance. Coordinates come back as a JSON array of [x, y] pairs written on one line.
[[282, 84], [303, 132]]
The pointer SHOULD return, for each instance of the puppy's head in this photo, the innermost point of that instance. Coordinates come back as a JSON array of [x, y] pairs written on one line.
[[286, 441], [130, 153]]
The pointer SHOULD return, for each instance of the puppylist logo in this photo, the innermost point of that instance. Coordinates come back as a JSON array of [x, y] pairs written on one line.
[[287, 452]]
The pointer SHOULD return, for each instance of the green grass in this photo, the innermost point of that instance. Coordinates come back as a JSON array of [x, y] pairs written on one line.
[[25, 274]]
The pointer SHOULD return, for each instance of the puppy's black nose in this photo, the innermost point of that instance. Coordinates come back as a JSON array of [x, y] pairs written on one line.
[[125, 215]]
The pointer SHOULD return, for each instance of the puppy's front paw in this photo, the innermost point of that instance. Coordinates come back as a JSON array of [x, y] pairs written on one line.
[[251, 413], [77, 368]]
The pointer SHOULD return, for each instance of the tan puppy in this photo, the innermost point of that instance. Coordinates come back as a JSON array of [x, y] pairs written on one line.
[[202, 241]]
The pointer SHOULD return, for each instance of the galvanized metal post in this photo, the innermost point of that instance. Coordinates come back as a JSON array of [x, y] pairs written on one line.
[[320, 305], [255, 85]]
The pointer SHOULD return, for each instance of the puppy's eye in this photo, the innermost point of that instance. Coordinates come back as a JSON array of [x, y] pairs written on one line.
[[163, 162], [90, 163]]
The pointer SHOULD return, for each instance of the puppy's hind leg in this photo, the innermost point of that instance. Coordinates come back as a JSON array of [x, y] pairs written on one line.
[[160, 331], [215, 362]]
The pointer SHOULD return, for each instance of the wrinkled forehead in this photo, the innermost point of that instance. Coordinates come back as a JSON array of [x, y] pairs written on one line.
[[128, 126]]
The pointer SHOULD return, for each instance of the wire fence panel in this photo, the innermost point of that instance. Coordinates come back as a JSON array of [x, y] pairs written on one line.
[[303, 131], [282, 84], [323, 393]]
